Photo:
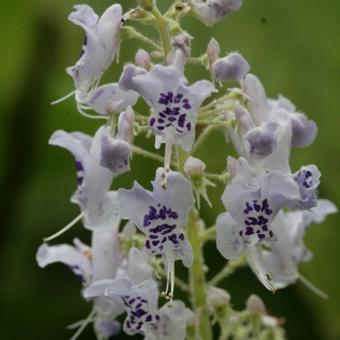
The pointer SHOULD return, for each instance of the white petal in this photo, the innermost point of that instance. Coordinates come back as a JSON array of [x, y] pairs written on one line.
[[111, 98], [258, 99], [105, 252], [139, 268], [68, 255], [228, 241]]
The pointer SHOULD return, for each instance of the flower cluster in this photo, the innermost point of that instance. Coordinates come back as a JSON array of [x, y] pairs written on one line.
[[138, 234]]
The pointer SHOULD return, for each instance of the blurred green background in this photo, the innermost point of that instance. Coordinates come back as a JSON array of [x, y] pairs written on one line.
[[293, 46]]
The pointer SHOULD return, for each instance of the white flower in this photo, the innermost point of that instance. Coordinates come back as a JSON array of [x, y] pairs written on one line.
[[252, 202], [173, 103], [276, 265], [97, 161], [100, 46], [91, 264], [161, 216]]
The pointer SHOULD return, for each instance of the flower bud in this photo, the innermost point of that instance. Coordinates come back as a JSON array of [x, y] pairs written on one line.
[[231, 67], [213, 50], [194, 167], [255, 305], [183, 42], [217, 297], [125, 125], [143, 59], [147, 5]]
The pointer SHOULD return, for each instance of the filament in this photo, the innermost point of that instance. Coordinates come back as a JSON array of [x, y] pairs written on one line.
[[83, 325], [313, 288], [63, 98], [63, 230]]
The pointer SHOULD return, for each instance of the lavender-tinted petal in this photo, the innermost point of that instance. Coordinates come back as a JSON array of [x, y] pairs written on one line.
[[115, 155], [303, 130], [263, 140], [231, 67]]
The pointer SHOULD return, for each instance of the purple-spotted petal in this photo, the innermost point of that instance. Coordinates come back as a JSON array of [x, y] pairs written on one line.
[[161, 214], [175, 105], [254, 203], [308, 180]]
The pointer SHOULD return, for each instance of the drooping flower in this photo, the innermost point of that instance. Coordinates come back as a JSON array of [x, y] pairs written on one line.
[[100, 46], [90, 264], [161, 216], [174, 104], [276, 264], [252, 202], [97, 161]]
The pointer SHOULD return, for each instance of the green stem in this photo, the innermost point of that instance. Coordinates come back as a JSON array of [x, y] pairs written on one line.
[[228, 270], [131, 33], [218, 177], [197, 278], [147, 154], [202, 137], [163, 31]]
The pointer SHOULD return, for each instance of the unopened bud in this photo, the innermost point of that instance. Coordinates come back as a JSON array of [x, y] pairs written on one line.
[[125, 125], [217, 297], [194, 167], [231, 67], [143, 59], [255, 305], [147, 5], [213, 50]]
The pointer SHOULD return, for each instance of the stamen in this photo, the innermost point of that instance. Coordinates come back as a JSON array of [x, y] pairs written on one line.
[[172, 280], [63, 98], [87, 115], [165, 293], [167, 161], [63, 230], [83, 325], [313, 288]]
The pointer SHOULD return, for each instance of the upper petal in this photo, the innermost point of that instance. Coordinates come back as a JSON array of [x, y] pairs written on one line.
[[64, 253]]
